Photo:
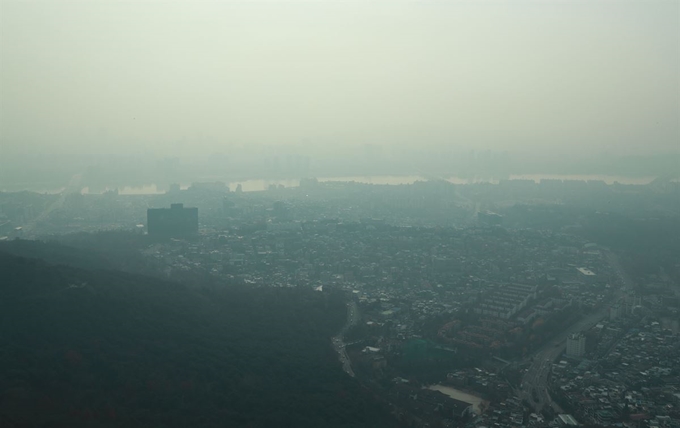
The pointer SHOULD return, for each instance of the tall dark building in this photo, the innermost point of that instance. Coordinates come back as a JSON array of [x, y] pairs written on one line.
[[175, 221]]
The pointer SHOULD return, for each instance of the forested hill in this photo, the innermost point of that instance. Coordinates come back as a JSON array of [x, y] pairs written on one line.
[[101, 250], [87, 348], [56, 253]]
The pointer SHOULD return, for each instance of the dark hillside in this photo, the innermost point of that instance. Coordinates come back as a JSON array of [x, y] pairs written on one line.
[[102, 250], [56, 253], [84, 348]]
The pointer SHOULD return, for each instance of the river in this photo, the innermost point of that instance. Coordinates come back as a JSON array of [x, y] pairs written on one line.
[[255, 185]]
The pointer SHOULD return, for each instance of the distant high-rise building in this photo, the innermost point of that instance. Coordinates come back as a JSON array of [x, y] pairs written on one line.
[[576, 345], [209, 186], [175, 221]]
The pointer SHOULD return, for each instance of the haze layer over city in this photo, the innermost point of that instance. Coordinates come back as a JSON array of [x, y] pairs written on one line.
[[339, 214], [341, 88]]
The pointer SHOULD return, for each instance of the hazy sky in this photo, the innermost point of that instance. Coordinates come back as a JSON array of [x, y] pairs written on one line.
[[102, 76]]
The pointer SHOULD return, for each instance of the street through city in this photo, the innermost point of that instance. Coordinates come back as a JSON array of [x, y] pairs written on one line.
[[536, 376]]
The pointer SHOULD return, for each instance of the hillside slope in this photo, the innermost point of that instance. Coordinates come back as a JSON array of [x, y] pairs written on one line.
[[107, 349]]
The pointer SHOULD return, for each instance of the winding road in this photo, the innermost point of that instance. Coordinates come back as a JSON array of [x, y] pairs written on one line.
[[338, 340], [536, 376]]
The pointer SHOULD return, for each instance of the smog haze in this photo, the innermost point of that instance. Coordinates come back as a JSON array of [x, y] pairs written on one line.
[[347, 87], [171, 78], [340, 213]]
